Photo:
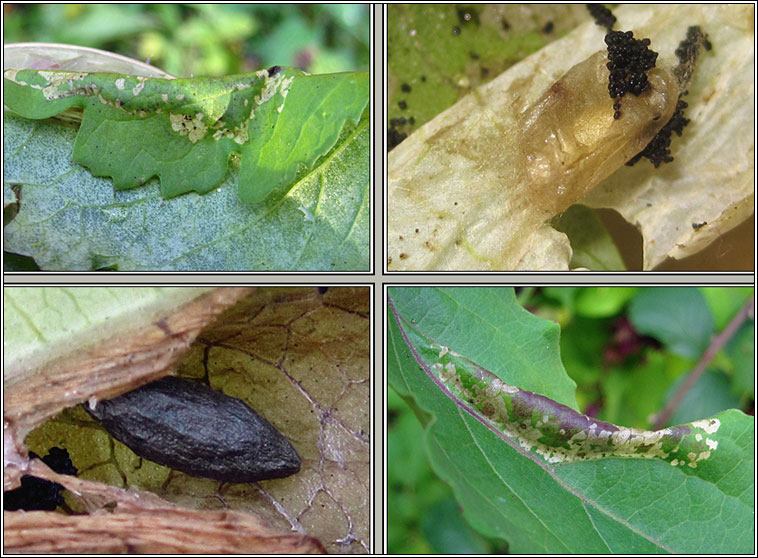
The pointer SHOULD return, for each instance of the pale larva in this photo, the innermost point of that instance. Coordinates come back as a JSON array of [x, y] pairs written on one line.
[[470, 192]]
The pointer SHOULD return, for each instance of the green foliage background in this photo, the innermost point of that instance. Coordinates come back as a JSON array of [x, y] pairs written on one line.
[[205, 39], [627, 349]]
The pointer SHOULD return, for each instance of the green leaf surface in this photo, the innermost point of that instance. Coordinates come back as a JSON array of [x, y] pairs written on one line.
[[456, 316], [677, 316], [185, 130], [591, 244], [436, 53], [741, 349], [600, 505], [68, 219], [43, 323]]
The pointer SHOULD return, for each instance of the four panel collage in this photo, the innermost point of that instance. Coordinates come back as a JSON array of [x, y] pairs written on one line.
[[378, 279]]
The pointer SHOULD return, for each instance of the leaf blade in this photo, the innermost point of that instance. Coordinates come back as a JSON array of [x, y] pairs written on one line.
[[68, 219], [185, 130], [542, 508]]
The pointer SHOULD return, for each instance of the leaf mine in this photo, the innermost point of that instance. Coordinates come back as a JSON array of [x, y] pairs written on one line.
[[184, 131], [545, 428]]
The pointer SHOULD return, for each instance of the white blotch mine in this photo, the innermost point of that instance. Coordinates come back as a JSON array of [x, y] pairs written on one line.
[[238, 134], [710, 426], [286, 86], [194, 128], [285, 90], [493, 389], [54, 82], [164, 96], [271, 86], [120, 84], [140, 85]]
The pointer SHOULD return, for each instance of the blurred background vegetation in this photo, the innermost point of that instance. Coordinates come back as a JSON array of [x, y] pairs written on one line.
[[205, 39], [627, 348]]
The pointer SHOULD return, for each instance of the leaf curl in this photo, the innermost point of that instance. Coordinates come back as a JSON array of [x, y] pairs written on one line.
[[185, 130], [545, 428]]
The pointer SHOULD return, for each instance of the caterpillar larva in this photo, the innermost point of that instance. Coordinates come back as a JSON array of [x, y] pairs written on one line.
[[469, 191]]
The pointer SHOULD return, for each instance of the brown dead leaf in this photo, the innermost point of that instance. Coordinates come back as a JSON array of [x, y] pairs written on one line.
[[301, 359]]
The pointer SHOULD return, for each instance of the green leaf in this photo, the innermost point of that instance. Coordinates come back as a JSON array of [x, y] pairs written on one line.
[[316, 109], [185, 130], [600, 302], [454, 316], [42, 324], [599, 505], [591, 244], [678, 316], [70, 220], [438, 52]]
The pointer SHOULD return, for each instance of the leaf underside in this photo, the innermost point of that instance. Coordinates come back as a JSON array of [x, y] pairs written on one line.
[[185, 130], [69, 219]]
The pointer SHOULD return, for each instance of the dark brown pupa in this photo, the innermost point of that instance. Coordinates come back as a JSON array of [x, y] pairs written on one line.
[[197, 430]]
